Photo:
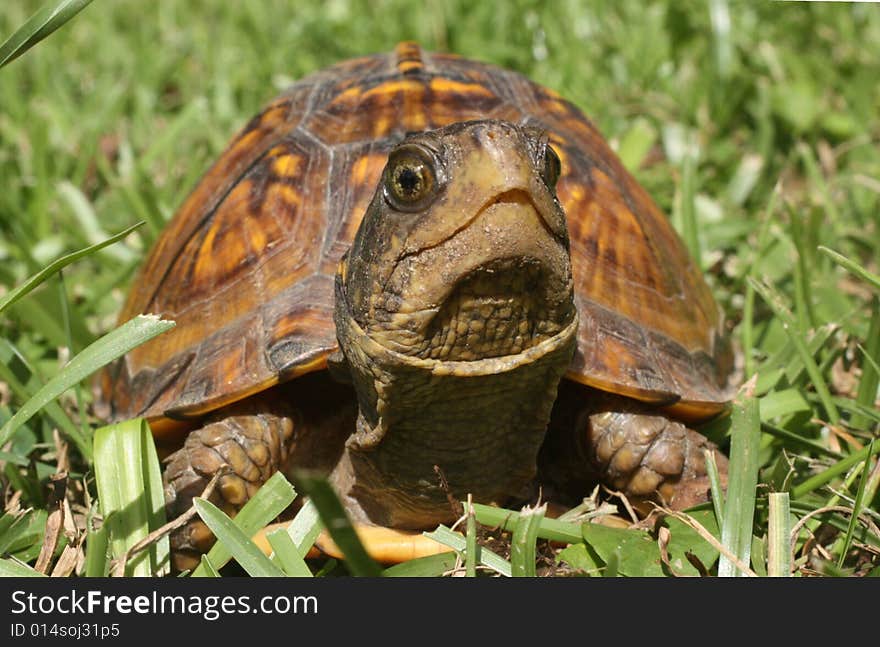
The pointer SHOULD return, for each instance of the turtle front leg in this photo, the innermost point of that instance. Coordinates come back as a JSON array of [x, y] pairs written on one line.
[[253, 444], [300, 424], [627, 447], [650, 457]]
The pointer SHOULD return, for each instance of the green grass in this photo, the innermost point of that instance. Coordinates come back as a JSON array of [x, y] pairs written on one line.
[[754, 125]]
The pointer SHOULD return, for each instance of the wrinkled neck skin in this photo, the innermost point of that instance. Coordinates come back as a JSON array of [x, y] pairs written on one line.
[[457, 324], [479, 424]]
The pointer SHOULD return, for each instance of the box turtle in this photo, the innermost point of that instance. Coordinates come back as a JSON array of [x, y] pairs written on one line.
[[427, 277]]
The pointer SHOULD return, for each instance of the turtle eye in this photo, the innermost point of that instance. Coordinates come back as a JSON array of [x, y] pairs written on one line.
[[551, 167], [411, 178]]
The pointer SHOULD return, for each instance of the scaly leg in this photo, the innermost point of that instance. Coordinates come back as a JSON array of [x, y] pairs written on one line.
[[303, 423], [651, 457], [594, 437], [255, 444]]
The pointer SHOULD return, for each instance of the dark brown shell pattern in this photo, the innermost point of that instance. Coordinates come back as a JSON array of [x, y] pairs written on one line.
[[246, 267]]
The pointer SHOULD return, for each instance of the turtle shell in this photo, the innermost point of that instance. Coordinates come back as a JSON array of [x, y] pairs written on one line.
[[246, 266]]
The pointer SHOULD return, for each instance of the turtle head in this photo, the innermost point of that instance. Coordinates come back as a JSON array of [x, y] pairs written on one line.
[[463, 253]]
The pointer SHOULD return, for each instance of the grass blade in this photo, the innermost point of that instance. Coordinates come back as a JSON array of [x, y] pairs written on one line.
[[636, 143], [458, 543], [270, 500], [744, 179], [245, 552], [736, 531], [305, 528], [788, 324], [872, 485], [429, 566], [88, 223], [715, 487], [14, 568], [834, 520], [782, 403], [470, 555], [287, 554], [759, 557], [207, 567], [784, 434], [857, 507], [103, 351], [855, 268], [817, 180], [14, 458], [10, 528], [802, 306], [779, 536], [552, 529], [522, 547], [20, 531], [748, 320], [12, 363], [53, 267], [867, 391], [611, 565], [129, 483], [71, 346], [338, 525], [688, 205], [838, 469], [719, 14], [96, 553], [46, 20]]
